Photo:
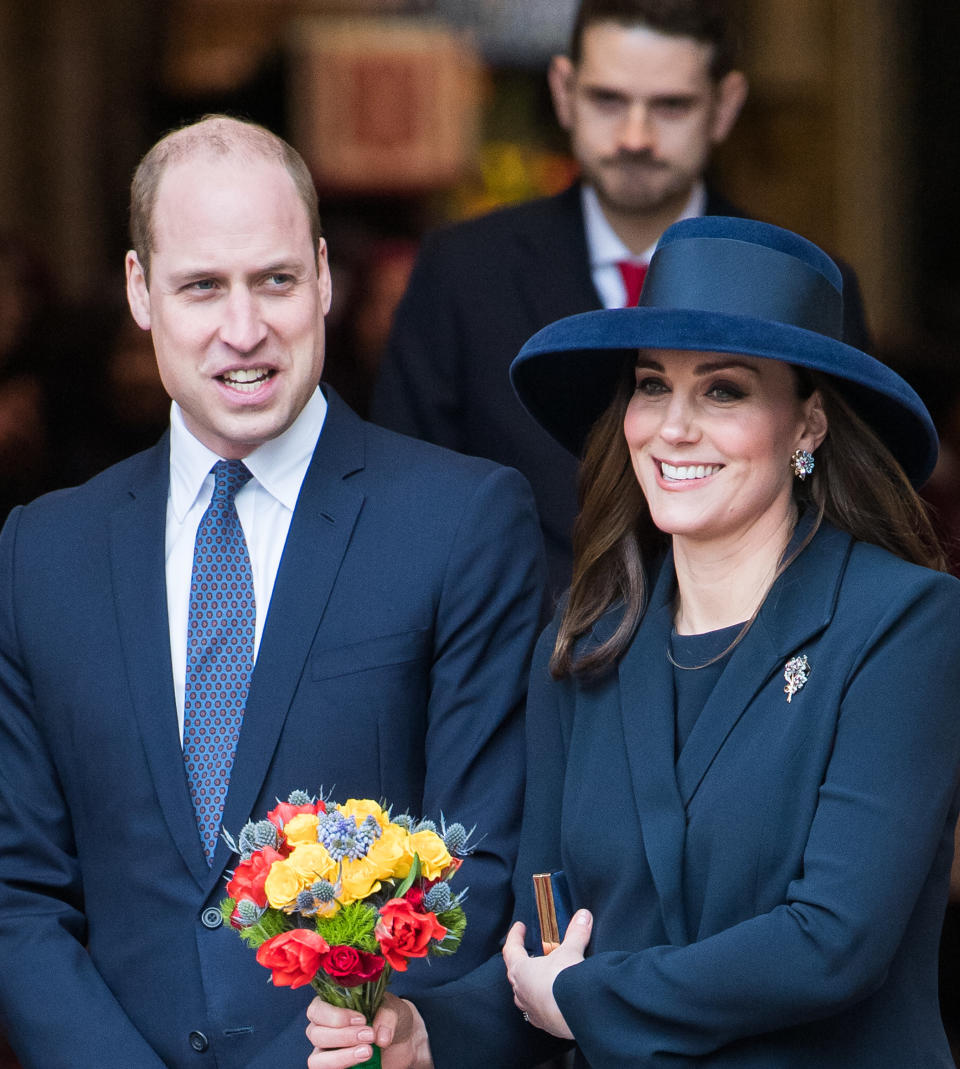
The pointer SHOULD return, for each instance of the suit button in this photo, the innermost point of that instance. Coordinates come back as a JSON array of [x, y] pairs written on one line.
[[199, 1042], [211, 918]]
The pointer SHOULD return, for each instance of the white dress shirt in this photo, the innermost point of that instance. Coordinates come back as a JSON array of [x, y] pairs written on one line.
[[265, 507], [606, 249]]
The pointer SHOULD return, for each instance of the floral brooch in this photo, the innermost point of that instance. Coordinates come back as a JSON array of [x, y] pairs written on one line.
[[796, 672]]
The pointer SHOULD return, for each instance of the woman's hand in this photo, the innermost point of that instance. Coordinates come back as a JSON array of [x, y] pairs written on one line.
[[342, 1038], [532, 978]]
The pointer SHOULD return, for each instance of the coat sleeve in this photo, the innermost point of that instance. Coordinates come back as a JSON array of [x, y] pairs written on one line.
[[55, 1006], [473, 1023], [883, 821], [419, 385], [486, 624]]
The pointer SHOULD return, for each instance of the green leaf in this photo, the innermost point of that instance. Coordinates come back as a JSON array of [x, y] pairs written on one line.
[[414, 874]]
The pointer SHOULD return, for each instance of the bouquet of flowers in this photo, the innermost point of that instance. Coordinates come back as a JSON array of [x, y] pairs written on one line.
[[339, 896]]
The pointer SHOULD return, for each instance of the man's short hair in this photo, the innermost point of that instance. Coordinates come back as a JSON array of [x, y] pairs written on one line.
[[709, 22], [213, 135]]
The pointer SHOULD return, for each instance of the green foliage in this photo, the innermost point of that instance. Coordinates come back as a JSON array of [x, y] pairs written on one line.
[[455, 921], [227, 906], [272, 923], [352, 925]]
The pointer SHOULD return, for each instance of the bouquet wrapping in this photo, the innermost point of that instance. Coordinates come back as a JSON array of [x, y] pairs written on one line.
[[341, 895]]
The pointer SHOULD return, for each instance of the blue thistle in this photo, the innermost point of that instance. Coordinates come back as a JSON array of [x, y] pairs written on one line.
[[248, 913], [438, 898], [320, 894], [300, 798], [404, 820], [426, 825]]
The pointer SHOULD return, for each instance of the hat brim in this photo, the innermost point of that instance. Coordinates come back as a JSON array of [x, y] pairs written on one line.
[[566, 374]]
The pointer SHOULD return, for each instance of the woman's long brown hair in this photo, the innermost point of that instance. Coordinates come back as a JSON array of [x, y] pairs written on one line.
[[857, 486]]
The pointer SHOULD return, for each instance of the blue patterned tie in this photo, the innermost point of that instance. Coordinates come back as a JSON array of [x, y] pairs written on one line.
[[220, 635]]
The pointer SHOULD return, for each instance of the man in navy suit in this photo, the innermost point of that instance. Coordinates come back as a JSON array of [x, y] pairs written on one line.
[[397, 589], [646, 93]]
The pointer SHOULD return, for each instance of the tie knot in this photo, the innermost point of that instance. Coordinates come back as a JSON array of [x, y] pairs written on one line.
[[230, 476]]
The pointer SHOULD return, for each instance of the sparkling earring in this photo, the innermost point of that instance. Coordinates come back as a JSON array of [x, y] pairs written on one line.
[[802, 463]]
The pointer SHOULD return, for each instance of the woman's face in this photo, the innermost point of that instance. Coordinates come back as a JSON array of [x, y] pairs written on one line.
[[710, 436]]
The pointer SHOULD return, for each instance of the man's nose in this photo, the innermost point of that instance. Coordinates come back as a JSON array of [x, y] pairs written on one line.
[[636, 130], [242, 327]]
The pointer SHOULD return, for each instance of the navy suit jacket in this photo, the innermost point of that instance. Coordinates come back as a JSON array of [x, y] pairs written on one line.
[[772, 897], [478, 291], [392, 665]]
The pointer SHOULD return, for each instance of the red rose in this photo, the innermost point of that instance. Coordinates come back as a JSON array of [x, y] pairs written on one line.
[[404, 933], [349, 966], [415, 897], [293, 957], [284, 811], [250, 875]]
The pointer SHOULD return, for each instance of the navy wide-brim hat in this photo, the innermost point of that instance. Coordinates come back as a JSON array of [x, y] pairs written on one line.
[[718, 284]]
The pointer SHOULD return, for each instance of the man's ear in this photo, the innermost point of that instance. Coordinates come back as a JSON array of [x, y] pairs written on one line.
[[731, 95], [560, 78], [324, 279], [138, 293]]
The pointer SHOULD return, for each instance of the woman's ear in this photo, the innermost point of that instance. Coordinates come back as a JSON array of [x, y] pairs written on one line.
[[814, 423]]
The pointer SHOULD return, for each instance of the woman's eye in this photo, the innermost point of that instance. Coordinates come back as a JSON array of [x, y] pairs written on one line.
[[651, 386], [725, 391]]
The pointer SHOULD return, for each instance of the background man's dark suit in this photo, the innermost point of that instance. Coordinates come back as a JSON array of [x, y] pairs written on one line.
[[393, 664], [478, 291]]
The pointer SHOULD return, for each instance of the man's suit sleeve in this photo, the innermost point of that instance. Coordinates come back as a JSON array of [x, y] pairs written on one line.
[[55, 1006], [418, 389], [486, 624]]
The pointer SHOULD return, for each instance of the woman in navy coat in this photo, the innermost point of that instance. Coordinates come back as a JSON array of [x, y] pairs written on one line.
[[743, 725]]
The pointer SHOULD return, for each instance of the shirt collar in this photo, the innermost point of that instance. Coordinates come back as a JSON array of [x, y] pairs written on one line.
[[603, 244], [279, 465]]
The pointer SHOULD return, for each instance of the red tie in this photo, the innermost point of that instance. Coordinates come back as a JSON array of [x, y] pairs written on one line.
[[633, 276]]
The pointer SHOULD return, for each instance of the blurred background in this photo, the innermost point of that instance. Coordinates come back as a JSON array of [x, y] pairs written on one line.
[[410, 113]]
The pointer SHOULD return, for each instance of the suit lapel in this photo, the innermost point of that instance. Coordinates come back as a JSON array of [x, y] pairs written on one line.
[[320, 531], [551, 237], [799, 606], [647, 709], [137, 554]]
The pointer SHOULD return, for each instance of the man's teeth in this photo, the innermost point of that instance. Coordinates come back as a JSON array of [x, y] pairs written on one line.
[[246, 378], [688, 471]]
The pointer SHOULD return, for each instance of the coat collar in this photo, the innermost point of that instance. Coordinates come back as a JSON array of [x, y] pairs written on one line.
[[800, 604]]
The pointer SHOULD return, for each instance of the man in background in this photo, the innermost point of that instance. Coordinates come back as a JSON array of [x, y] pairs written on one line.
[[380, 600], [648, 90]]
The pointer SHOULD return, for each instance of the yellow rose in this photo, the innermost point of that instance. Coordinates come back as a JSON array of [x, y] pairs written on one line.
[[301, 829], [392, 854], [311, 862], [282, 885], [361, 808], [358, 879], [434, 856]]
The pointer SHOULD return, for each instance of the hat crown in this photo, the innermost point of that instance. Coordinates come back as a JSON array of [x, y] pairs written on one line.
[[748, 268]]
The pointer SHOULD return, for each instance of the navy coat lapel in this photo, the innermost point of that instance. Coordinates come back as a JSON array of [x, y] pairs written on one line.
[[320, 531], [798, 607], [647, 709], [137, 537]]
